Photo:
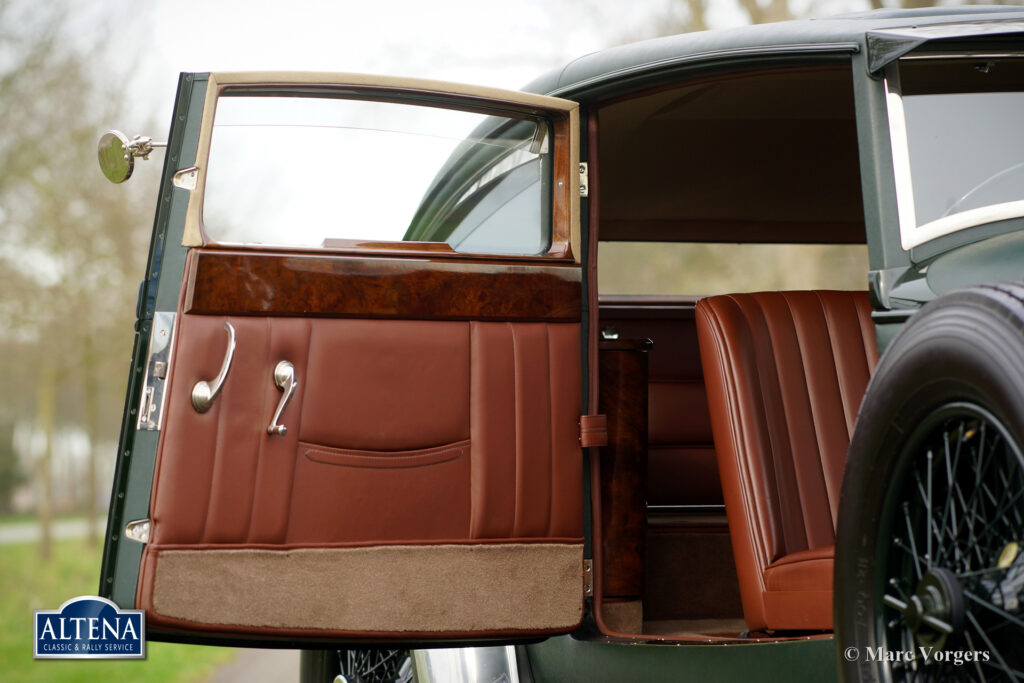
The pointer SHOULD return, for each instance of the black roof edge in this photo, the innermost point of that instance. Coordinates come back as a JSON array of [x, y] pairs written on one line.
[[621, 77], [886, 46]]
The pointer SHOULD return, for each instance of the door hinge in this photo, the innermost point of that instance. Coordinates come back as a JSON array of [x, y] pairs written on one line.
[[584, 179], [161, 344], [588, 577], [137, 530], [186, 178]]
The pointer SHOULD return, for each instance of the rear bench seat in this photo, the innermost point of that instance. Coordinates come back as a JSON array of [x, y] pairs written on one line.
[[784, 373]]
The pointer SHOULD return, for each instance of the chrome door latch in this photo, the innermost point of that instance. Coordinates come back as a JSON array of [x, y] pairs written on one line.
[[154, 383], [205, 392]]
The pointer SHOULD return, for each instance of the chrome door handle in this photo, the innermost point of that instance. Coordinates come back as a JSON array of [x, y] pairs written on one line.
[[285, 381], [204, 393]]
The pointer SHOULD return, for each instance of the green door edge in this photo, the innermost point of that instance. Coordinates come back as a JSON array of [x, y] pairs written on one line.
[[136, 453]]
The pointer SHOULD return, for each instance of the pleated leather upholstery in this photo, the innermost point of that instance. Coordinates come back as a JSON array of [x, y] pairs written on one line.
[[784, 373]]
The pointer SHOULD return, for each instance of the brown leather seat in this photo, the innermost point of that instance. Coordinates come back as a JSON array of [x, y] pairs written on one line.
[[784, 373]]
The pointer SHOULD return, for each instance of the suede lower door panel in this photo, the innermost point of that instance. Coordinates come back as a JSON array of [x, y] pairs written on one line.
[[452, 443]]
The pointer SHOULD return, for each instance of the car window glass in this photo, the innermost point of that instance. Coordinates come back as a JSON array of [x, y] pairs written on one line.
[[331, 172], [706, 268], [963, 134]]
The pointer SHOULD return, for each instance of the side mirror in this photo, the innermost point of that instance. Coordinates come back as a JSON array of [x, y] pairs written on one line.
[[117, 154]]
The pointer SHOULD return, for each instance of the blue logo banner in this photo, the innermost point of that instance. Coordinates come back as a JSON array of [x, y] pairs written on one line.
[[88, 627]]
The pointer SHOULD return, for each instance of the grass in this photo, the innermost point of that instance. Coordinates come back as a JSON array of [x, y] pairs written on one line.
[[29, 583], [32, 517]]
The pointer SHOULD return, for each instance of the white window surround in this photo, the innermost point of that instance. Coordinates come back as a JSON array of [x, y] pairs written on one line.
[[912, 234]]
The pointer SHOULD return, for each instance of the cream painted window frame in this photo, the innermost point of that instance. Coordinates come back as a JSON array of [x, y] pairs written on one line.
[[193, 233]]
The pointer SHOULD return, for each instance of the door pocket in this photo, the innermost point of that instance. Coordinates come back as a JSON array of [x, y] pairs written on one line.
[[346, 457], [349, 495]]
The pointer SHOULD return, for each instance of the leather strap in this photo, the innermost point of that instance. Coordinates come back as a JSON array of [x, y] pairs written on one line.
[[593, 430]]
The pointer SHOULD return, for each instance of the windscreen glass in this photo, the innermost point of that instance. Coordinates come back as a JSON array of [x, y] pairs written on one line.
[[964, 134]]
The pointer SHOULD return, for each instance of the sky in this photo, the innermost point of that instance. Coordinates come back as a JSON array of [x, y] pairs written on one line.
[[502, 44]]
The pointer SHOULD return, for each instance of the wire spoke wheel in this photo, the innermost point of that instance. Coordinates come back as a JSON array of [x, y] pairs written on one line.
[[950, 558], [374, 666], [929, 563]]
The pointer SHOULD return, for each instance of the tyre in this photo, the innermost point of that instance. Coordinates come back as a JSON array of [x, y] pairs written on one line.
[[929, 564]]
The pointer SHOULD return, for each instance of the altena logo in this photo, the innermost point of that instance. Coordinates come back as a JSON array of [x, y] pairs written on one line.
[[88, 627]]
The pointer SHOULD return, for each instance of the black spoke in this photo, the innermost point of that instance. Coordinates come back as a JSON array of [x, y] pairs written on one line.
[[947, 552], [1013, 674], [977, 664], [928, 509], [998, 610], [375, 666]]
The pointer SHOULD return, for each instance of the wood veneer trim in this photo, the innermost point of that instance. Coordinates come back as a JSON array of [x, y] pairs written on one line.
[[247, 283]]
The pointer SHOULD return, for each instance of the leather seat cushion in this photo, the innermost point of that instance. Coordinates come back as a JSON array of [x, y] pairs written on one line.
[[798, 593], [805, 570]]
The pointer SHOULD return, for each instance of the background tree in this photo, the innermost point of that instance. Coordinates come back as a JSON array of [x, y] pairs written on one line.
[[72, 247]]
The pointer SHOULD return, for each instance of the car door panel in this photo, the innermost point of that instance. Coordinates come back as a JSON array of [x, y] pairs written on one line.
[[386, 450], [427, 483]]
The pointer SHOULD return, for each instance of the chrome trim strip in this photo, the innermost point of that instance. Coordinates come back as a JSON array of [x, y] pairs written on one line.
[[466, 665], [686, 509], [962, 55]]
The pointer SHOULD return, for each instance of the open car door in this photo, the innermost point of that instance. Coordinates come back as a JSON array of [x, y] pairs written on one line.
[[356, 391]]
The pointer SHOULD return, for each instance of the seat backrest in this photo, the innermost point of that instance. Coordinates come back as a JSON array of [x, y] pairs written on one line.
[[784, 373]]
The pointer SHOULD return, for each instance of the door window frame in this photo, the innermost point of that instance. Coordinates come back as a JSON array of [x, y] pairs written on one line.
[[562, 114]]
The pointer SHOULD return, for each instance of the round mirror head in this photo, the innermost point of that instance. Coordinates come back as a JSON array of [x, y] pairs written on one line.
[[115, 161]]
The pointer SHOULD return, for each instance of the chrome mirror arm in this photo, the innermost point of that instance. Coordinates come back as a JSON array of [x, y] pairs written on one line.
[[141, 146]]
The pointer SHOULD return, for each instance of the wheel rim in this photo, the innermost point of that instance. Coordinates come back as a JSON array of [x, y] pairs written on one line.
[[950, 556], [375, 666]]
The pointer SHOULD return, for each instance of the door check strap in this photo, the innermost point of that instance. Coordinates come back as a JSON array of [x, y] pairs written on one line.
[[593, 430]]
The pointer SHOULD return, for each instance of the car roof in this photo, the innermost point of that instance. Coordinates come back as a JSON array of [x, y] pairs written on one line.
[[597, 68]]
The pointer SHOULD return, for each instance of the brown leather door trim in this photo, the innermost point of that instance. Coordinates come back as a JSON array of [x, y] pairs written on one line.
[[289, 284]]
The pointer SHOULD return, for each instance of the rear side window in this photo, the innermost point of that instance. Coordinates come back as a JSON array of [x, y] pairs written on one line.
[[707, 268], [333, 172]]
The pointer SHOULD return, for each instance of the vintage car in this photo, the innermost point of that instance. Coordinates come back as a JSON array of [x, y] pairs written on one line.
[[382, 398]]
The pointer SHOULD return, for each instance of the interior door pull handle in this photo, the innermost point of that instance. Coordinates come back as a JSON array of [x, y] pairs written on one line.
[[285, 381], [204, 393]]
